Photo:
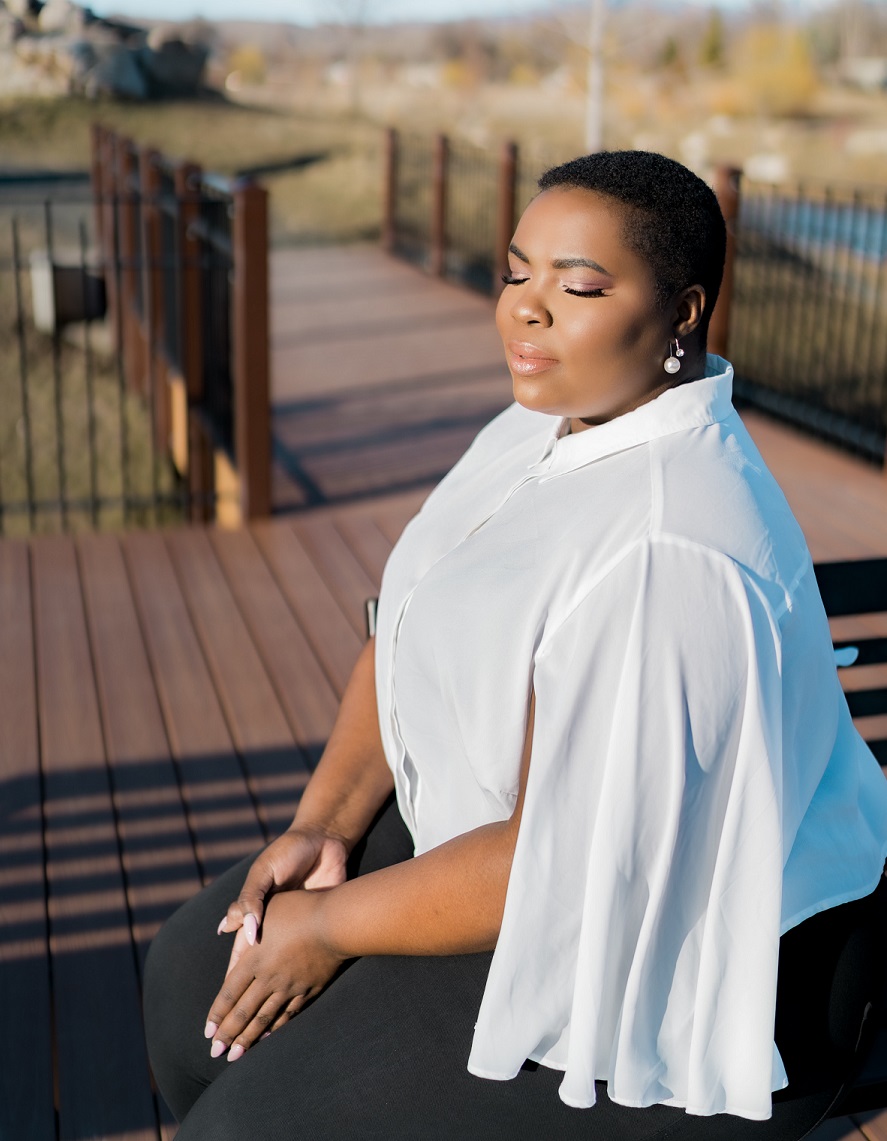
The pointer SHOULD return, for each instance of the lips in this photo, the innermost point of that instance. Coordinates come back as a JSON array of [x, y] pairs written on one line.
[[527, 359]]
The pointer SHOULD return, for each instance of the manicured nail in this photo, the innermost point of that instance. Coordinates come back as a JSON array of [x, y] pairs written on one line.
[[267, 1034], [250, 929], [218, 1049], [209, 1031], [236, 1051], [223, 926]]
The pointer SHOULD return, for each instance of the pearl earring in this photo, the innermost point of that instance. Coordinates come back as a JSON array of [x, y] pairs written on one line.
[[673, 363]]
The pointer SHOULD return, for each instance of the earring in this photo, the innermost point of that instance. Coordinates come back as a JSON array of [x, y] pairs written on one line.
[[673, 363]]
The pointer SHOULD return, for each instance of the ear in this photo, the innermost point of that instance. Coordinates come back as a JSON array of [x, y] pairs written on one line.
[[688, 307]]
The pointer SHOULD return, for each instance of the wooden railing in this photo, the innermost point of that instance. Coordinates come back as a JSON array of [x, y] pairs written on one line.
[[186, 269]]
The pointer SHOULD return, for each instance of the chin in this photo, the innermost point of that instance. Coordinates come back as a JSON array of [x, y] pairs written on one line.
[[530, 397]]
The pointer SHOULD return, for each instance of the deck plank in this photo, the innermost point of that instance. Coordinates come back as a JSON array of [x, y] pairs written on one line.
[[96, 992], [221, 812], [342, 571], [366, 539], [26, 1077], [305, 692], [332, 638], [156, 845], [253, 712]]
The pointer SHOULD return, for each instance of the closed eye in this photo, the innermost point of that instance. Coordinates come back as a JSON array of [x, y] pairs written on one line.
[[509, 279], [584, 292]]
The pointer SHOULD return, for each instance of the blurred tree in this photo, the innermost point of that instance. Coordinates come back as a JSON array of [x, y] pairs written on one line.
[[712, 49], [670, 56], [776, 67], [248, 62]]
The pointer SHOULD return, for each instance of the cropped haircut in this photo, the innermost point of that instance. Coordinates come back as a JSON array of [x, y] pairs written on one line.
[[672, 218]]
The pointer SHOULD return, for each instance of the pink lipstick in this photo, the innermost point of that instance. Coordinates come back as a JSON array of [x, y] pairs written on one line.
[[527, 359]]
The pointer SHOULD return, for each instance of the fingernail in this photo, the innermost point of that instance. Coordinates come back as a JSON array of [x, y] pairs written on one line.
[[218, 1049], [250, 929], [209, 1031], [267, 1034], [236, 1051], [223, 926]]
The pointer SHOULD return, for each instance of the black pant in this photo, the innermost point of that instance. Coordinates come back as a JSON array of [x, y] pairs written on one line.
[[382, 1052]]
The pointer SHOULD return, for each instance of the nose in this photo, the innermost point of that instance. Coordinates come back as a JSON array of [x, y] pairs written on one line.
[[528, 307]]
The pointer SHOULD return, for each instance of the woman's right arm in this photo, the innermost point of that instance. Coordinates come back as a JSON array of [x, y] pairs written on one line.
[[348, 787]]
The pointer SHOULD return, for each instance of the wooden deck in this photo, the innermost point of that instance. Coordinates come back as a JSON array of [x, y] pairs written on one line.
[[163, 696]]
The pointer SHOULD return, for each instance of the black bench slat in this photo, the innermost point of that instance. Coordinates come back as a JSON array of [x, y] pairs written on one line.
[[855, 587], [867, 702], [872, 651], [879, 748]]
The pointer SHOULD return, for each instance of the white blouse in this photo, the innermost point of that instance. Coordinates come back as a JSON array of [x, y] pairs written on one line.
[[696, 786]]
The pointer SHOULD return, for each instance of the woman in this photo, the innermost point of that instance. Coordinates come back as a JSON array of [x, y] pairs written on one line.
[[603, 691]]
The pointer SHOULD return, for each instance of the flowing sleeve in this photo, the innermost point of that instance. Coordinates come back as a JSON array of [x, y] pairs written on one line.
[[639, 943]]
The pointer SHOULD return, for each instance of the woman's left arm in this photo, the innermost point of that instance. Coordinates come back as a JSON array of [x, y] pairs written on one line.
[[449, 900]]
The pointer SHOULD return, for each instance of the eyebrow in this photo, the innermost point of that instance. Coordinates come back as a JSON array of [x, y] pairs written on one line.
[[562, 263]]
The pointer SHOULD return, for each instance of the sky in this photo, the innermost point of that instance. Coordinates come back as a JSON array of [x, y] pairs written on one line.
[[312, 11]]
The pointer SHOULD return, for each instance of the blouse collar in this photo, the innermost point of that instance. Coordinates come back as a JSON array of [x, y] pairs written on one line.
[[696, 404]]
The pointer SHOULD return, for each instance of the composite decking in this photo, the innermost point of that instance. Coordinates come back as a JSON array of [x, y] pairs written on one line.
[[164, 696]]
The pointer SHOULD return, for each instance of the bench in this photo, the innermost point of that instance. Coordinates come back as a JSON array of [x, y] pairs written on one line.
[[855, 598]]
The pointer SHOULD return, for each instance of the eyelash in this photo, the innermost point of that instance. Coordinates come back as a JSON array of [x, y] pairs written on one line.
[[507, 279]]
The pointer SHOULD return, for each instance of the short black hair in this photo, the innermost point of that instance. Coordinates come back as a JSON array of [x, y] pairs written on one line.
[[673, 219]]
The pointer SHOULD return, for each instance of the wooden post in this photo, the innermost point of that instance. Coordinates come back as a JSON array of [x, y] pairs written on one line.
[[127, 273], [389, 191], [96, 142], [250, 352], [191, 451], [726, 187], [505, 200], [110, 228], [152, 316], [440, 161]]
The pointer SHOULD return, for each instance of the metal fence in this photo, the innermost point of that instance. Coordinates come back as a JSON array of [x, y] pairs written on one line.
[[133, 346], [450, 206], [76, 444], [808, 331], [804, 312]]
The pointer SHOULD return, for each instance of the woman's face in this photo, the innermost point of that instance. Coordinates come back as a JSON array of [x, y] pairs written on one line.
[[583, 333]]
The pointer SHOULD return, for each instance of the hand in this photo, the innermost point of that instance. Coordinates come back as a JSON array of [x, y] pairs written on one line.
[[268, 983], [301, 857]]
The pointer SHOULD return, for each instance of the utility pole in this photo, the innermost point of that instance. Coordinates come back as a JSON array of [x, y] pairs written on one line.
[[594, 97]]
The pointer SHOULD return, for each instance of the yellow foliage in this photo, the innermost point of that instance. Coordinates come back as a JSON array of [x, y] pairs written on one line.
[[775, 69], [458, 74], [523, 75], [249, 61]]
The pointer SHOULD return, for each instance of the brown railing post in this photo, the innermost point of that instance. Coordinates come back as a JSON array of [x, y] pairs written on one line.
[[250, 354], [505, 200], [96, 168], [726, 187], [128, 270], [152, 316], [440, 162], [191, 448], [109, 208], [389, 191]]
